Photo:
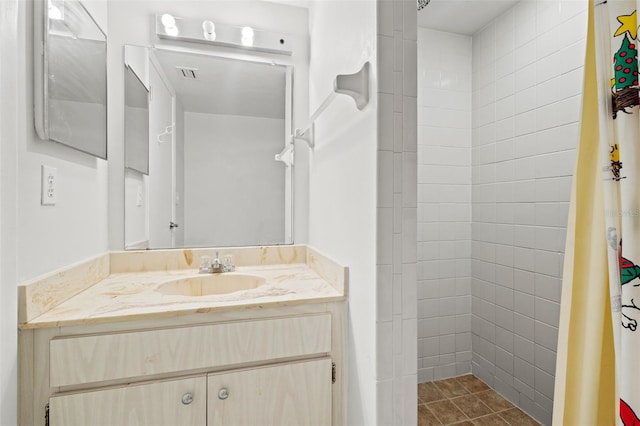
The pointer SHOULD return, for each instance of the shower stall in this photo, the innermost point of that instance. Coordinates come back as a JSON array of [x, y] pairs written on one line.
[[498, 122]]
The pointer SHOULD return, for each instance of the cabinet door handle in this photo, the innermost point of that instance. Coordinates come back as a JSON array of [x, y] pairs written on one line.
[[187, 398], [223, 393]]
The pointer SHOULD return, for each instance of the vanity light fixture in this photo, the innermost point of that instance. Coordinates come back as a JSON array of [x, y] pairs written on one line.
[[205, 31]]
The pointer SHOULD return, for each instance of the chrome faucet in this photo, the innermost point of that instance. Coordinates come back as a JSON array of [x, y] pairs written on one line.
[[216, 266], [207, 266]]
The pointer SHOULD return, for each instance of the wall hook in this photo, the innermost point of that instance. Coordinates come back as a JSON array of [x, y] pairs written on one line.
[[306, 135], [167, 131]]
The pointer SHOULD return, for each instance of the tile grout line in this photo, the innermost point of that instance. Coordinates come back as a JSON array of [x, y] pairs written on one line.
[[433, 414], [481, 402], [469, 418], [470, 392]]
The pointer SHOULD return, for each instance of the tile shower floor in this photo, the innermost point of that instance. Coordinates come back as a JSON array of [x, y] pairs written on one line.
[[467, 401]]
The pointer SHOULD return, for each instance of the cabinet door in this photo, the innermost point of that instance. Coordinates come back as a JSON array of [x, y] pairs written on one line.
[[295, 394], [154, 404]]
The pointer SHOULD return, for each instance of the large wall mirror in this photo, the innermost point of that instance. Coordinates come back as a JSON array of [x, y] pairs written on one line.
[[70, 76], [215, 125]]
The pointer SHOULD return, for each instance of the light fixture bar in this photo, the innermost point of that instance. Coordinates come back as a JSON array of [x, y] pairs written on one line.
[[207, 31]]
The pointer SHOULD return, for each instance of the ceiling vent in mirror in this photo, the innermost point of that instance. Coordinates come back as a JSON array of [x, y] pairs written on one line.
[[188, 73]]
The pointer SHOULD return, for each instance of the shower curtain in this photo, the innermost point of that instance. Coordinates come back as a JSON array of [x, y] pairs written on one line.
[[598, 380]]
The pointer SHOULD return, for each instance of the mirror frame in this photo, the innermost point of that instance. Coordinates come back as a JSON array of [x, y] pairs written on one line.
[[41, 71]]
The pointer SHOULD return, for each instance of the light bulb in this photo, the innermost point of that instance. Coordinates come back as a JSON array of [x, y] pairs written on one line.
[[55, 12], [209, 30], [247, 36], [247, 32], [208, 27], [168, 21]]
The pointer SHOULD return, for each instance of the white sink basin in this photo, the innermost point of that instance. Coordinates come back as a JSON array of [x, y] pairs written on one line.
[[209, 284]]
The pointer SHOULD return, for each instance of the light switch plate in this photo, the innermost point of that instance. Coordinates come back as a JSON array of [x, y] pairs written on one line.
[[49, 186], [139, 196]]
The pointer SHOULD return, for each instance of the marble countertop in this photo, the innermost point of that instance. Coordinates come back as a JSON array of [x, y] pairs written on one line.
[[130, 296]]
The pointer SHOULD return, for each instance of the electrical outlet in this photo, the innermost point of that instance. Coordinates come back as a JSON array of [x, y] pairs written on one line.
[[49, 186]]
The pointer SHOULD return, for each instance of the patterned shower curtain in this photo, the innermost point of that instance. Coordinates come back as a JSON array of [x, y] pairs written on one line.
[[616, 40], [585, 380], [616, 31], [597, 373]]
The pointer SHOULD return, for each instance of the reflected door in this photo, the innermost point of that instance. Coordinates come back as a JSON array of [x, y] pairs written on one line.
[[160, 162]]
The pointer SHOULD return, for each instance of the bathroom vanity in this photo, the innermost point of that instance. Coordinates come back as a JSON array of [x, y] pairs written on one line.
[[134, 338]]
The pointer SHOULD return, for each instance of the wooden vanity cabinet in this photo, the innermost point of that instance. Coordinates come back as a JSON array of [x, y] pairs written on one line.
[[292, 394], [240, 368], [165, 403]]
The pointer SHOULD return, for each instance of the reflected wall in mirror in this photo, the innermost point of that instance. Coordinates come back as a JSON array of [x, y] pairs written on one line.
[[70, 76], [136, 123], [215, 126]]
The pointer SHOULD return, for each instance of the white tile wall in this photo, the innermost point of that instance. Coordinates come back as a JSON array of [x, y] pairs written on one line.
[[492, 213], [527, 85], [396, 313], [444, 204]]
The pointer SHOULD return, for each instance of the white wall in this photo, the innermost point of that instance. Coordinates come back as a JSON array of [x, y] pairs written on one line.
[[75, 228], [137, 229], [528, 74], [34, 239], [233, 188], [363, 196], [444, 205], [10, 79], [180, 185], [132, 22], [136, 183], [342, 183], [137, 131], [161, 160]]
